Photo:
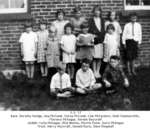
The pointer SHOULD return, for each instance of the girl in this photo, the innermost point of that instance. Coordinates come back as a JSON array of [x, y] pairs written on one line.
[[85, 44], [77, 20], [60, 22], [132, 38], [68, 46], [112, 19], [111, 46], [28, 42], [42, 35], [96, 27], [53, 48]]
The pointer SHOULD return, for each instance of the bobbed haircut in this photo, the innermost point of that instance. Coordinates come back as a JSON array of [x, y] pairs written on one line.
[[97, 7], [60, 11], [68, 25], [110, 26], [114, 57], [134, 14], [86, 61], [28, 25], [76, 9]]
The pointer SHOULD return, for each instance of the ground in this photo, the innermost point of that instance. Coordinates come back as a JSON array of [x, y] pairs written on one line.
[[22, 94]]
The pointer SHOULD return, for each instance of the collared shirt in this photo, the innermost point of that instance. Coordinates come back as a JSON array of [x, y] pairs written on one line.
[[132, 31], [60, 81], [114, 75], [97, 23], [85, 79]]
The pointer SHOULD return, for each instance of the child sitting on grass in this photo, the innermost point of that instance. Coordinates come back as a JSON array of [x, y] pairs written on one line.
[[60, 85], [85, 80], [114, 75]]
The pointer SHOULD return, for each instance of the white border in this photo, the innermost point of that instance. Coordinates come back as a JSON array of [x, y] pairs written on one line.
[[15, 10], [136, 7]]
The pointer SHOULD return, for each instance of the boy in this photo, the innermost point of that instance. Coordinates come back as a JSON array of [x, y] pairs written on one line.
[[114, 75], [60, 85], [132, 38], [85, 80]]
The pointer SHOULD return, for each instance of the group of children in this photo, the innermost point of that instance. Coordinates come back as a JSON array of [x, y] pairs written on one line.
[[75, 45]]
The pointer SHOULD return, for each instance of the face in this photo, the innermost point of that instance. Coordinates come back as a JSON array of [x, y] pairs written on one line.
[[78, 14], [113, 16], [52, 32], [68, 30], [85, 67], [133, 19], [62, 70], [97, 13], [85, 30], [28, 29], [114, 63], [42, 26], [60, 16], [110, 31]]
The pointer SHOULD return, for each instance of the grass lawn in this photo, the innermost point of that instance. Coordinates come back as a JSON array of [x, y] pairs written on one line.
[[21, 94]]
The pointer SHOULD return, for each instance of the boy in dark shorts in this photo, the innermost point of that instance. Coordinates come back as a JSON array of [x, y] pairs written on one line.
[[132, 38]]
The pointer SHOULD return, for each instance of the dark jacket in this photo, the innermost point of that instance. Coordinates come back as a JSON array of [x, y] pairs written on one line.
[[94, 30], [114, 75]]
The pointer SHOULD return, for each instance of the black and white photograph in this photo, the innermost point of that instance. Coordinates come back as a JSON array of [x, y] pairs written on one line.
[[74, 55]]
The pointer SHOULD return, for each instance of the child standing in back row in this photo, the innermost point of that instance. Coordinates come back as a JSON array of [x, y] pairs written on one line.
[[68, 46], [112, 19], [132, 38], [85, 44], [42, 35], [28, 42], [96, 27]]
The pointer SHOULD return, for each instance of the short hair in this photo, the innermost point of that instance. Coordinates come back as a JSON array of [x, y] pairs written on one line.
[[42, 22], [60, 11], [109, 14], [114, 57], [97, 7], [76, 9], [68, 25], [134, 14], [84, 25], [86, 61], [110, 26], [61, 66], [28, 25]]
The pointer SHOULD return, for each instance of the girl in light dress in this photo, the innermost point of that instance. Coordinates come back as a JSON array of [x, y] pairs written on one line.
[[42, 35], [112, 19], [60, 22], [68, 46], [111, 45], [28, 42]]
